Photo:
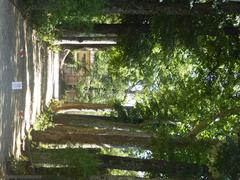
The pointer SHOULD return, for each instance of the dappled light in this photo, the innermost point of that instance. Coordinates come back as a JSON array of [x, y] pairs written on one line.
[[119, 89]]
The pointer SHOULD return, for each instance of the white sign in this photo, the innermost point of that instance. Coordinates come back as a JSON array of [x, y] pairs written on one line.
[[16, 85]]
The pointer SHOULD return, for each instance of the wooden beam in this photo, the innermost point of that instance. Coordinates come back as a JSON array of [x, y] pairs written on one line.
[[66, 134], [80, 106], [80, 46]]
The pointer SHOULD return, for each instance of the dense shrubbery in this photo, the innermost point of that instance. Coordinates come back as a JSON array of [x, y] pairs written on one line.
[[225, 160], [47, 16]]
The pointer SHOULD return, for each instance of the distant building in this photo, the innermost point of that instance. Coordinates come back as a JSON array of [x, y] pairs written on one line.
[[74, 72], [75, 69]]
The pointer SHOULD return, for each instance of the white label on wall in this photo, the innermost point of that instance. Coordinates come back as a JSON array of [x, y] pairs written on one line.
[[16, 85]]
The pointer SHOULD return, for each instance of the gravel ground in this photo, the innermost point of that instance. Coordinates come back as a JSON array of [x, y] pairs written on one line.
[[22, 58]]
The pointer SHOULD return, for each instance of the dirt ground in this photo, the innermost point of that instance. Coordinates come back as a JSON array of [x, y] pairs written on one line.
[[22, 59]]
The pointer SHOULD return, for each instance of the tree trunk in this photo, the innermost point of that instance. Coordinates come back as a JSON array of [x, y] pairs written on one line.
[[66, 134], [203, 124]]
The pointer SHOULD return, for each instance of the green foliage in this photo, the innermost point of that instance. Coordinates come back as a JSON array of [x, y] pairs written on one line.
[[18, 167], [44, 120], [183, 94], [132, 152], [101, 86], [188, 68], [77, 65], [85, 162], [211, 37], [225, 159], [118, 172], [177, 149], [107, 19], [187, 93], [46, 16], [125, 114]]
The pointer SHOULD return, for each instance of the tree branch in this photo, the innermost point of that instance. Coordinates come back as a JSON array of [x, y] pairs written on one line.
[[202, 125]]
